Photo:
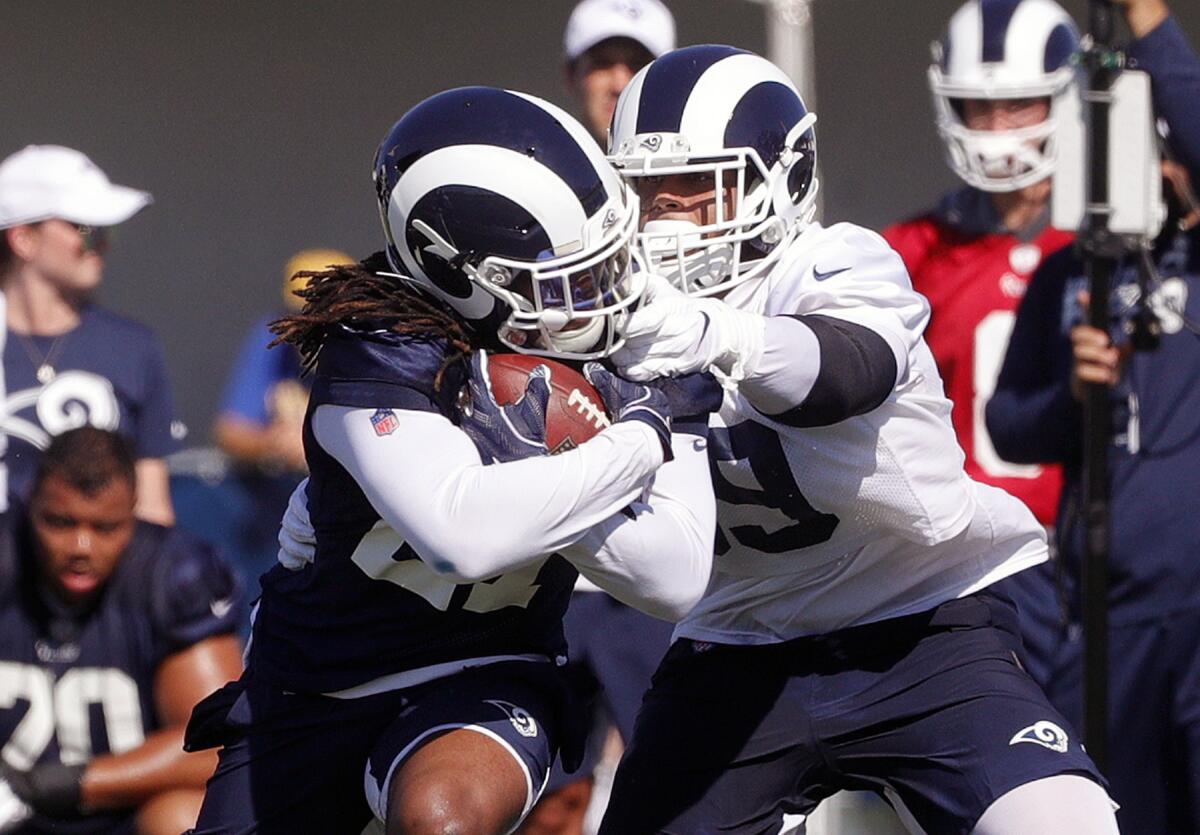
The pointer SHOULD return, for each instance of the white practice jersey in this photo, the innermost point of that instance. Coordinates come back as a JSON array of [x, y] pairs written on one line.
[[869, 518]]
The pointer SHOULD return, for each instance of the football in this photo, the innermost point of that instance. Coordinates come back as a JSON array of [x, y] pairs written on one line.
[[574, 412]]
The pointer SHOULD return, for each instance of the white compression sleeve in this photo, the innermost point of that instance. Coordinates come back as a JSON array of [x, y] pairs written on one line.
[[659, 561], [1065, 804], [469, 521], [787, 368]]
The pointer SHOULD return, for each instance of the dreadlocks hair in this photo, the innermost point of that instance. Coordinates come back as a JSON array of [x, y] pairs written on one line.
[[357, 294]]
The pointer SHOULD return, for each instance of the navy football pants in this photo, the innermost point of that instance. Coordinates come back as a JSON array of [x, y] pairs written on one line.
[[1154, 702]]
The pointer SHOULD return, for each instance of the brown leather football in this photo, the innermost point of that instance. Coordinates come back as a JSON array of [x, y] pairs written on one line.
[[574, 412]]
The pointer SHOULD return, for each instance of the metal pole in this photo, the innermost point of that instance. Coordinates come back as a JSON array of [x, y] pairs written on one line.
[[790, 47], [1101, 250]]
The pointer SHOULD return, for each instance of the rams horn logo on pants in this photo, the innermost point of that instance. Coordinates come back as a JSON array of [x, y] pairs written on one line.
[[518, 716]]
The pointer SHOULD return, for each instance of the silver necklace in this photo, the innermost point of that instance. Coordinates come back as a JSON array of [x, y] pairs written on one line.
[[44, 363]]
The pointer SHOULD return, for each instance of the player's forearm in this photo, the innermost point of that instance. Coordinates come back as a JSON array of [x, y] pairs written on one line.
[[817, 371], [118, 781], [660, 558], [469, 521], [539, 505], [1174, 68]]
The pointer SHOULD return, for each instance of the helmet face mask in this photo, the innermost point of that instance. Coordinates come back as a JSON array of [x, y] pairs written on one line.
[[753, 138], [572, 305], [997, 50], [511, 216]]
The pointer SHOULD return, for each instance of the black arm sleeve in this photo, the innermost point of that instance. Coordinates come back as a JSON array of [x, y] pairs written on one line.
[[857, 374]]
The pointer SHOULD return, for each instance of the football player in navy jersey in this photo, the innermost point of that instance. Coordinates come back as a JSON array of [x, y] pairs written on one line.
[[848, 638], [406, 655], [111, 630]]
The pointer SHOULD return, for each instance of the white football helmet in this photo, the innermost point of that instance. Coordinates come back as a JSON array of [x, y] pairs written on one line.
[[500, 205], [1002, 49], [738, 118]]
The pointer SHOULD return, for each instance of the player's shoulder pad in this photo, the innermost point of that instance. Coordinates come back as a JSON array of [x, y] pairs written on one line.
[[379, 368], [191, 591], [843, 250]]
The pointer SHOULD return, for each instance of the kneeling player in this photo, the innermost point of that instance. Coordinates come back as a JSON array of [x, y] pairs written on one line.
[[111, 630], [848, 639], [410, 643]]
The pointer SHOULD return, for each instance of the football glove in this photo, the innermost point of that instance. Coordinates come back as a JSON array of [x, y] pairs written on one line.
[[50, 789], [691, 398], [632, 401], [297, 539], [13, 810], [505, 433], [676, 334]]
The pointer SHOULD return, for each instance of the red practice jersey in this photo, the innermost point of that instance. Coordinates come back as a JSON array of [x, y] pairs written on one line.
[[974, 281]]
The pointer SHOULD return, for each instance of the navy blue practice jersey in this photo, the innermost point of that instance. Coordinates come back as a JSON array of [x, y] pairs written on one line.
[[366, 606], [76, 684]]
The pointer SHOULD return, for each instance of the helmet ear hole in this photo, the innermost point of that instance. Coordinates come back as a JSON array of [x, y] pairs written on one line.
[[800, 176]]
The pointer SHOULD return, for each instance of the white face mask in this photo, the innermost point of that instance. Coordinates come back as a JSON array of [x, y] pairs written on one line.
[[1000, 160], [678, 252]]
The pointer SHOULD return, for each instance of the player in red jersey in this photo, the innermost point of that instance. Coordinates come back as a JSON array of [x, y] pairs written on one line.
[[993, 80]]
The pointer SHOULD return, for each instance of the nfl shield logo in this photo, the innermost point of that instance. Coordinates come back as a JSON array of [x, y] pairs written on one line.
[[384, 421]]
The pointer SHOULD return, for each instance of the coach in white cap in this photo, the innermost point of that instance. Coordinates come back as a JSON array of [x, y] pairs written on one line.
[[67, 361], [606, 42]]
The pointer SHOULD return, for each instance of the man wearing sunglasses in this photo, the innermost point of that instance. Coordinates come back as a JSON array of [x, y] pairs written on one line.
[[68, 362]]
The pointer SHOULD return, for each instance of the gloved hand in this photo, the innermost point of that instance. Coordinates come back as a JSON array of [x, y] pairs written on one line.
[[632, 401], [13, 810], [505, 433], [50, 789], [297, 539], [691, 398], [676, 334]]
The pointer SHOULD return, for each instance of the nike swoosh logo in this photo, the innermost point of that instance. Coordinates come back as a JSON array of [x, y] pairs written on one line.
[[820, 276]]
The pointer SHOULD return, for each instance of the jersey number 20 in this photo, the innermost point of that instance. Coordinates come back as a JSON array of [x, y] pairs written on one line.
[[61, 706]]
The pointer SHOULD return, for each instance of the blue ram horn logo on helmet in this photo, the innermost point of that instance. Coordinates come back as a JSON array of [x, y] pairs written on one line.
[[475, 185]]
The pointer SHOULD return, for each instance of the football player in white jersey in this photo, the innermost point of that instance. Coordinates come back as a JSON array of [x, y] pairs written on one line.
[[848, 638]]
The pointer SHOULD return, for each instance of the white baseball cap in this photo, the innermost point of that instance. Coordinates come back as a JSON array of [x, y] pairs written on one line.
[[648, 22], [40, 182]]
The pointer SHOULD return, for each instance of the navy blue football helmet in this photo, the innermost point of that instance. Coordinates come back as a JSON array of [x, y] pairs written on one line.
[[502, 206], [731, 114]]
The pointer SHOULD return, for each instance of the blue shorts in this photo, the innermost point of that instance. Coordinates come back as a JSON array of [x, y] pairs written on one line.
[[931, 711], [299, 763]]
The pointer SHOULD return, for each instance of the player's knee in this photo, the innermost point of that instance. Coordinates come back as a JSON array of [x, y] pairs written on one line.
[[1063, 804], [169, 812], [440, 807]]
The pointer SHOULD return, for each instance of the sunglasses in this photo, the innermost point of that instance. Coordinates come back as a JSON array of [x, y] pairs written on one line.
[[95, 238]]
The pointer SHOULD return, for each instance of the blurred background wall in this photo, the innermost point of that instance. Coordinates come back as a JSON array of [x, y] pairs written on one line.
[[254, 124]]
